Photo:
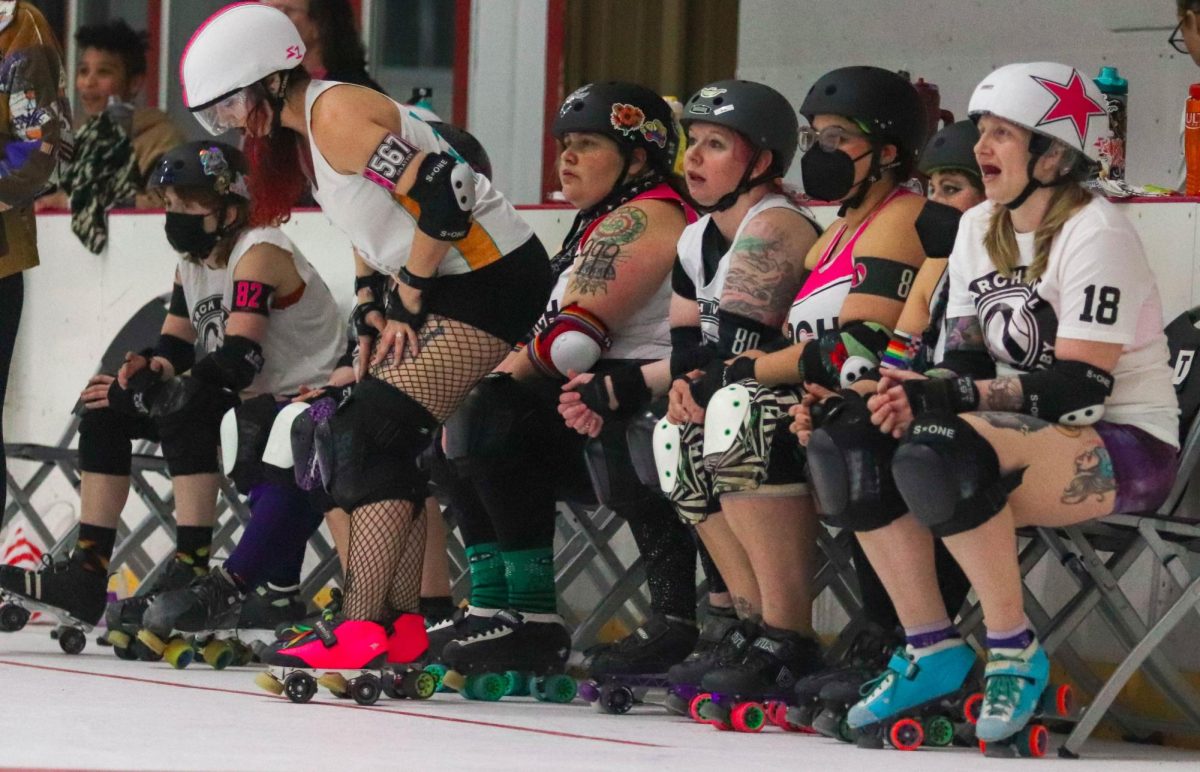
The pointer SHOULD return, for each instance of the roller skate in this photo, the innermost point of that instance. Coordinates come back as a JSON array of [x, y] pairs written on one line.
[[70, 590], [622, 672], [197, 619], [1016, 698], [519, 653], [402, 677], [352, 649], [915, 701], [463, 623], [823, 699], [722, 637], [746, 694], [124, 617]]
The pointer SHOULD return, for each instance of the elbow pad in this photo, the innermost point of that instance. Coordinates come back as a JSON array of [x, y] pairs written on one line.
[[1068, 392], [737, 334], [937, 228], [977, 364], [843, 356], [574, 340], [233, 366]]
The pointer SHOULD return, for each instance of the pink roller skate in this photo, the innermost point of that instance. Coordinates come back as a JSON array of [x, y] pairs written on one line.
[[348, 654]]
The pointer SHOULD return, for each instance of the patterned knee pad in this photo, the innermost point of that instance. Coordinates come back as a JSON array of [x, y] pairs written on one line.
[[740, 426], [678, 454]]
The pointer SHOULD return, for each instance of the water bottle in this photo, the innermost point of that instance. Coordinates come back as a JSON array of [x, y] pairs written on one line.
[[1112, 148], [1191, 140]]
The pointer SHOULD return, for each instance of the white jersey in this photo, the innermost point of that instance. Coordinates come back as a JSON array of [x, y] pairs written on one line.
[[691, 257], [382, 230], [1097, 286], [304, 339]]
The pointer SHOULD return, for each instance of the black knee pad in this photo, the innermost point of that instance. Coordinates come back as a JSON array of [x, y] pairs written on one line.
[[244, 433], [371, 444], [950, 475], [639, 439], [610, 466], [490, 420], [105, 440], [849, 466]]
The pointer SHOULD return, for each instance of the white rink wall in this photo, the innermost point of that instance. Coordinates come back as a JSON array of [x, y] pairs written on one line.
[[76, 301]]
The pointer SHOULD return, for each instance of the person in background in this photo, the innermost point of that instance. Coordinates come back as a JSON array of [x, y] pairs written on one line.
[[334, 50], [35, 134]]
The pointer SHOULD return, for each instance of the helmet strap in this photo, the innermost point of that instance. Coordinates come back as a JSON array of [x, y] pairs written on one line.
[[1038, 145], [874, 174], [277, 99], [746, 183]]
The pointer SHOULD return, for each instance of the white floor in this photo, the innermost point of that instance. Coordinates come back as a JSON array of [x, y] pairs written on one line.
[[94, 711]]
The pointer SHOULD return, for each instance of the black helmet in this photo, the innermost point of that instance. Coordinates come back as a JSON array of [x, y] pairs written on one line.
[[757, 111], [951, 148], [631, 115], [212, 166], [466, 145], [886, 105]]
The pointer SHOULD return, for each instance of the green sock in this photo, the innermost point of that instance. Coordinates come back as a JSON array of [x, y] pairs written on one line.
[[489, 589], [530, 575]]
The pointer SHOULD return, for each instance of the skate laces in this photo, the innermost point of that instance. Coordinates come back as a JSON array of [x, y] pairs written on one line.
[[881, 683], [1001, 695]]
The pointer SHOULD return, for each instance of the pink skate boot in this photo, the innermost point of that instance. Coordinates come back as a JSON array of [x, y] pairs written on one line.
[[335, 648]]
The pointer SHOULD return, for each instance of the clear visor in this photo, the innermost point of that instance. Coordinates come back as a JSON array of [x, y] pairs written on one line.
[[829, 138], [227, 113]]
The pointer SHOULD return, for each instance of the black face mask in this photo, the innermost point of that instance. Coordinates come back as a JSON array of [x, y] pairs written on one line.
[[828, 175], [185, 233]]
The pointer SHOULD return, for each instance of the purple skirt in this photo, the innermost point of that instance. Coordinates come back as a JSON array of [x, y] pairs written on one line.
[[1143, 465]]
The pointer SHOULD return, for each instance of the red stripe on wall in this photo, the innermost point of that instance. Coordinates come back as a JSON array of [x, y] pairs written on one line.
[[556, 30], [462, 62], [153, 65]]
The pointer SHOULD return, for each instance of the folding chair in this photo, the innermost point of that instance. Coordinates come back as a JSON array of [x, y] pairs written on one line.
[[1166, 535]]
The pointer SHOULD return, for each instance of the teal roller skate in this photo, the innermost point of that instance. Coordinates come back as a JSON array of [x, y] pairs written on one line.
[[1016, 697]]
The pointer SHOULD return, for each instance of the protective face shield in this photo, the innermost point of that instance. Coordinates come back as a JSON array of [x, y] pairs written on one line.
[[229, 112]]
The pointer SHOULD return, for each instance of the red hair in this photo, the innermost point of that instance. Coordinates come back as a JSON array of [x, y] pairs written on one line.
[[277, 179]]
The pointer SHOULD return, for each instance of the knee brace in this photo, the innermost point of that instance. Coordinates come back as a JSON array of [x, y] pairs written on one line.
[[301, 423], [489, 419], [849, 465], [639, 438], [245, 432], [609, 465], [368, 449], [950, 475], [104, 440]]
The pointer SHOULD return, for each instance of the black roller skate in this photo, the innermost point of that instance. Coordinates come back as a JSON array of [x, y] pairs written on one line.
[[70, 590], [124, 617], [822, 699], [180, 623], [622, 672], [462, 623], [747, 693], [519, 653], [723, 637]]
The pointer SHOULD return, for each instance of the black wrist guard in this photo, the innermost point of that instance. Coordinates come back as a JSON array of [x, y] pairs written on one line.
[[177, 351], [397, 312], [945, 395], [359, 317], [628, 387], [374, 281], [420, 283], [718, 375], [144, 387]]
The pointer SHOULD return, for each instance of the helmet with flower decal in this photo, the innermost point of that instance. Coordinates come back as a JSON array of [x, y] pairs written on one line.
[[631, 115]]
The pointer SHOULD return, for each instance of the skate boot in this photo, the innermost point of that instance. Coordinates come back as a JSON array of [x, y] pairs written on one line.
[[180, 622], [519, 653], [622, 672], [742, 693], [71, 590], [353, 650], [401, 677], [288, 630], [823, 699], [916, 697], [723, 637], [1015, 699], [124, 617], [463, 623]]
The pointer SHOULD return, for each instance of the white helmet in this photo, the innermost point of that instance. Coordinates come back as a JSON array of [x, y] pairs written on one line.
[[236, 47], [1053, 100]]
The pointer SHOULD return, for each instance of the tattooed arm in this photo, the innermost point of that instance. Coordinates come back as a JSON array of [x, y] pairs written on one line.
[[766, 266], [1006, 394]]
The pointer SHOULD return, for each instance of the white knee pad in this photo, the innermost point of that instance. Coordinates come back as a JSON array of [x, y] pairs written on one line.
[[666, 454], [724, 417], [279, 442], [229, 441]]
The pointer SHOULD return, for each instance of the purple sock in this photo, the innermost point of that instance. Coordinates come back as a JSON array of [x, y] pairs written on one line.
[[272, 546], [1017, 638], [927, 635]]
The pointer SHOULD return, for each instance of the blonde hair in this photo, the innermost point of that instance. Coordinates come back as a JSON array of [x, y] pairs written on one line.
[[1001, 239]]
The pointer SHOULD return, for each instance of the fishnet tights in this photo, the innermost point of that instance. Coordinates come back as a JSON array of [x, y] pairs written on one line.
[[387, 542]]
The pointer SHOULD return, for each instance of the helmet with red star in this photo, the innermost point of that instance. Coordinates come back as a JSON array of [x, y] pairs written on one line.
[[1053, 100]]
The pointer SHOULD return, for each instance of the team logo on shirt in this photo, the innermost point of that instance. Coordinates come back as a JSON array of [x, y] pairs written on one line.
[[1019, 327], [208, 319]]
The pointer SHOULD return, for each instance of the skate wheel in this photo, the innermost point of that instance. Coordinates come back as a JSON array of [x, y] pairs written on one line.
[[151, 642], [438, 671], [125, 653], [218, 654], [452, 679], [336, 683], [267, 680], [590, 690], [242, 654], [517, 684], [71, 639], [179, 653], [906, 734], [972, 708], [712, 712], [418, 685], [485, 687], [12, 617], [119, 639], [365, 689], [615, 699], [299, 687], [747, 717], [696, 705], [1033, 741], [939, 732], [558, 688], [844, 732], [1059, 702], [675, 703]]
